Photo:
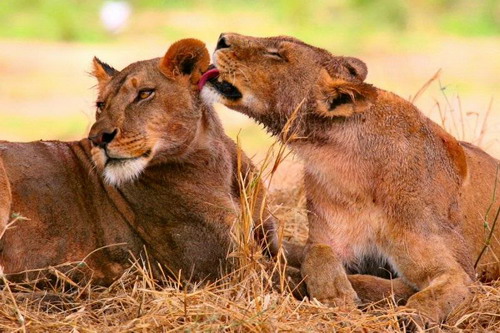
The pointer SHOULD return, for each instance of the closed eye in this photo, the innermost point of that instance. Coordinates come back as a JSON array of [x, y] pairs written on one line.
[[273, 53]]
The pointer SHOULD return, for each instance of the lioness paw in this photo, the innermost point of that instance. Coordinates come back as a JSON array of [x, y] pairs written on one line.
[[326, 279]]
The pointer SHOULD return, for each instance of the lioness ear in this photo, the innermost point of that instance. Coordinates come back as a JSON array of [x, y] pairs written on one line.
[[340, 98], [357, 69], [102, 72], [349, 69], [187, 57]]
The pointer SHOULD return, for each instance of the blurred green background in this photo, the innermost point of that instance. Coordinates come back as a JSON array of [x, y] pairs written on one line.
[[397, 21], [46, 47]]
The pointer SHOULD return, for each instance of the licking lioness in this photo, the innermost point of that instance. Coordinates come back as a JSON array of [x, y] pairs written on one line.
[[157, 175], [386, 187]]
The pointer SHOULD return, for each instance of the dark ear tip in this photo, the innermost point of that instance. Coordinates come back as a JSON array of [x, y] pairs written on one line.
[[357, 68], [107, 68], [97, 60]]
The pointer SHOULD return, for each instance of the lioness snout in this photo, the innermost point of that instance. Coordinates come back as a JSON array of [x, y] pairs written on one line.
[[222, 43], [103, 137]]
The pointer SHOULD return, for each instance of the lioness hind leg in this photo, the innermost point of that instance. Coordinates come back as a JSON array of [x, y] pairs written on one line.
[[373, 289], [294, 253], [5, 199], [326, 279], [442, 282], [435, 302]]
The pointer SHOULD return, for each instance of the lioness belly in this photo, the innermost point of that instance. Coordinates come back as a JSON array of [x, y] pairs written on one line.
[[361, 250], [348, 220], [354, 232]]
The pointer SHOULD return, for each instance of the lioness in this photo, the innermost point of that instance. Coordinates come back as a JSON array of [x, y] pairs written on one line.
[[157, 174], [386, 186]]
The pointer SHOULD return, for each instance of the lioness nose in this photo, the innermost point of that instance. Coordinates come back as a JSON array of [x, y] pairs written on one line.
[[103, 138], [222, 43]]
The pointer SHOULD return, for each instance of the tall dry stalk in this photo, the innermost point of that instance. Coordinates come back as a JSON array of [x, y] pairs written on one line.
[[490, 227], [426, 85], [254, 194], [452, 116], [484, 127]]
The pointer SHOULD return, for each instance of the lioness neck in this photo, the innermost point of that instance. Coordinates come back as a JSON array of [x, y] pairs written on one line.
[[209, 132], [354, 153]]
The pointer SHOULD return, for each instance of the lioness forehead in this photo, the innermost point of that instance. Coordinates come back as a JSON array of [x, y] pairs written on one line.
[[289, 39], [141, 66], [140, 71], [277, 41]]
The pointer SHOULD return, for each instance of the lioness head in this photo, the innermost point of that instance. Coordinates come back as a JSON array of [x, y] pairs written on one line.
[[269, 78], [147, 113]]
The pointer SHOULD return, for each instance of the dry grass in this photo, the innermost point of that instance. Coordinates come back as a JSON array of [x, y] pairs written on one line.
[[135, 303], [246, 300]]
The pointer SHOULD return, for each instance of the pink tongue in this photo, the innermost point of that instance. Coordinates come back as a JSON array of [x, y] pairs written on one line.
[[210, 74]]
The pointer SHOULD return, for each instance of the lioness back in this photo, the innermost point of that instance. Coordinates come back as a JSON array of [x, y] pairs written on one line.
[[480, 196]]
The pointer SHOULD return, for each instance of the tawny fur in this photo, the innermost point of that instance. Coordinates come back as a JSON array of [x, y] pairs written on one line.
[[386, 187], [175, 199]]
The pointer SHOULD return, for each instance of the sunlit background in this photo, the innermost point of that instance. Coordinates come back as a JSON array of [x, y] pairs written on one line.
[[46, 47]]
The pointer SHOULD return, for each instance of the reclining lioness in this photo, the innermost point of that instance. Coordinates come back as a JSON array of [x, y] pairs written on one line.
[[386, 186], [157, 174]]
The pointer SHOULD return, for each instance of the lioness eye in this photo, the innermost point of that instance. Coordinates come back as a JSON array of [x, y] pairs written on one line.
[[145, 93], [100, 106], [274, 54]]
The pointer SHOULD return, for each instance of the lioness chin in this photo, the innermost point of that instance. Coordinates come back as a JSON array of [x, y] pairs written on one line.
[[386, 187], [157, 174]]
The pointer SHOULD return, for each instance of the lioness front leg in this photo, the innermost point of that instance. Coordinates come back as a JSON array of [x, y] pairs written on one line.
[[428, 264], [325, 277], [368, 288]]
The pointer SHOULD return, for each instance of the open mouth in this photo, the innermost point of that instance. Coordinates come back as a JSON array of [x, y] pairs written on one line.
[[225, 88], [211, 74]]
